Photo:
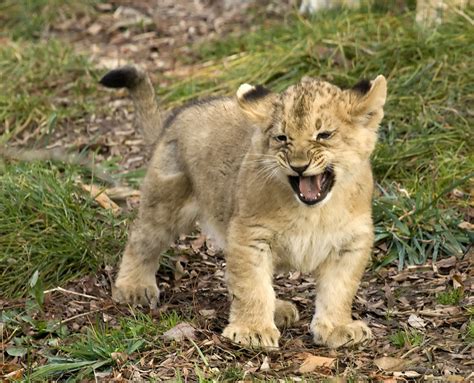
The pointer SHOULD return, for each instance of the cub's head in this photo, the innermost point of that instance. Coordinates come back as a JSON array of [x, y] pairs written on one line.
[[315, 135]]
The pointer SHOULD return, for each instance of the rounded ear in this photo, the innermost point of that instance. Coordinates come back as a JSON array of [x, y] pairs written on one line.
[[256, 102], [368, 99]]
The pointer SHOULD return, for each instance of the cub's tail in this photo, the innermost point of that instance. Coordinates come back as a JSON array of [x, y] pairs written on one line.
[[143, 95]]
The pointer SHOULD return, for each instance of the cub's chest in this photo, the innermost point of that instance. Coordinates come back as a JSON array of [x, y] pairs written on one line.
[[308, 242]]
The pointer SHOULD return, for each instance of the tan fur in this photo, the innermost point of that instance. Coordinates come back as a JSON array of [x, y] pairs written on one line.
[[219, 162]]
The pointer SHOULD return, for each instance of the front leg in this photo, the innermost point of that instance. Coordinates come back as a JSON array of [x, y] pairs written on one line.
[[337, 281], [249, 278]]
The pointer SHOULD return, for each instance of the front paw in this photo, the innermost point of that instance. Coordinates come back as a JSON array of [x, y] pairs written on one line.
[[342, 335], [136, 293], [253, 337]]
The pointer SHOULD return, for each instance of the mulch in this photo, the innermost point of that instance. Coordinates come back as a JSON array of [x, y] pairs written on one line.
[[158, 35]]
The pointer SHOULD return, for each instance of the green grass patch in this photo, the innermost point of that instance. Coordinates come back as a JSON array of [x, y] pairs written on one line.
[[30, 19], [409, 338], [48, 224], [450, 297], [44, 85], [470, 330], [423, 151], [102, 346]]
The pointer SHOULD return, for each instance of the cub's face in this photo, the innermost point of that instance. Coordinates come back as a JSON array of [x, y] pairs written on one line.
[[315, 135]]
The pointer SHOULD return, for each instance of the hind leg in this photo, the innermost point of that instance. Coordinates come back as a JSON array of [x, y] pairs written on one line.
[[166, 210], [286, 313]]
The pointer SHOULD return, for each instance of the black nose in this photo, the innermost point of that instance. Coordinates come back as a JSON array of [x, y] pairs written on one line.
[[299, 169]]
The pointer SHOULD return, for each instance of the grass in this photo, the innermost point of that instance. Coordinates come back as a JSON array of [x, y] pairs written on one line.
[[47, 85], [31, 19], [423, 153], [50, 225], [410, 338], [52, 232], [98, 348], [449, 297]]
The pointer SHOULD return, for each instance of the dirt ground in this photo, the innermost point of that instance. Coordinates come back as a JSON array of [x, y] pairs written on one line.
[[391, 301]]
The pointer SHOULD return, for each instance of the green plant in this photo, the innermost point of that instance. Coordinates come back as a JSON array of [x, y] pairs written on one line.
[[50, 227], [102, 346], [44, 85], [410, 338], [28, 19], [422, 154], [449, 297]]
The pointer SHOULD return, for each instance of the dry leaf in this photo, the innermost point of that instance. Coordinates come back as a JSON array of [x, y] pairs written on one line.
[[198, 243], [407, 374], [446, 263], [464, 225], [265, 364], [208, 313], [455, 378], [119, 357], [389, 363], [457, 282], [416, 322], [101, 197], [122, 192], [180, 331], [312, 362]]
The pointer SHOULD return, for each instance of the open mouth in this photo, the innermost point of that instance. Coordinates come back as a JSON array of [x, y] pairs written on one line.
[[313, 189]]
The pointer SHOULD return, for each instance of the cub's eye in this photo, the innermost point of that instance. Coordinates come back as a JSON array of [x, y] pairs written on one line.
[[324, 136], [281, 138]]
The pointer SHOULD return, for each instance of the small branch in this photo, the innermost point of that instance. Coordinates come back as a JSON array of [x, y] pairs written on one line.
[[70, 292], [78, 316]]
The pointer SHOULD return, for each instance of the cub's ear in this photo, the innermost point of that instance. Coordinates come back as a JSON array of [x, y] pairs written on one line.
[[256, 102], [367, 101]]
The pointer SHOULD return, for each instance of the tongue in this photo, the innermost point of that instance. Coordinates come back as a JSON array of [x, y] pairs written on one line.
[[310, 186]]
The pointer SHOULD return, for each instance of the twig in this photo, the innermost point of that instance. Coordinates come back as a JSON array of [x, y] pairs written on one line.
[[79, 316], [410, 352], [70, 292]]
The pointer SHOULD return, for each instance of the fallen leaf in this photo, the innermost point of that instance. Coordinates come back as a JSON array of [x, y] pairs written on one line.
[[199, 242], [101, 197], [389, 363], [122, 192], [119, 357], [208, 313], [407, 374], [265, 364], [416, 322], [457, 282], [454, 378], [14, 375], [17, 351], [464, 225], [179, 332], [446, 263], [312, 362], [94, 29]]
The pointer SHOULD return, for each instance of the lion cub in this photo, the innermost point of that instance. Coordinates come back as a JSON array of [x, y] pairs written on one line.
[[281, 180]]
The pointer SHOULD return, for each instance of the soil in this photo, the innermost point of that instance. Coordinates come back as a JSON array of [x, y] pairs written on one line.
[[157, 35]]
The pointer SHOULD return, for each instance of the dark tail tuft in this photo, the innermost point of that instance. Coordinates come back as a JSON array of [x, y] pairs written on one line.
[[125, 77], [256, 93]]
